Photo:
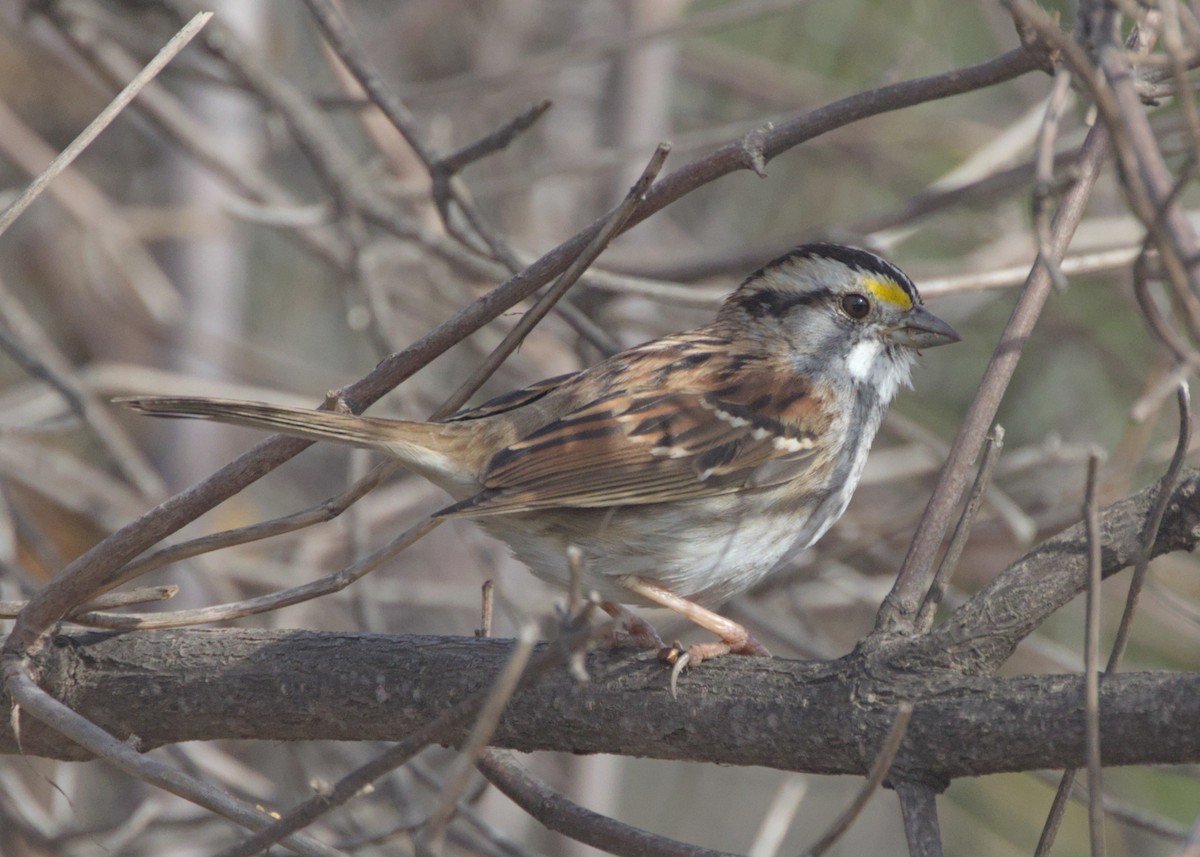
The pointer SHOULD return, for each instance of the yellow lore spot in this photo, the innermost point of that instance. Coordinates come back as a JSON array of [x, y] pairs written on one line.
[[888, 291]]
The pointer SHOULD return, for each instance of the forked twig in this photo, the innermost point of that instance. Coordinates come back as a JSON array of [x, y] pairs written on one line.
[[962, 532]]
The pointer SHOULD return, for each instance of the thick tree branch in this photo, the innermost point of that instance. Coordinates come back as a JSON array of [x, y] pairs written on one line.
[[158, 687]]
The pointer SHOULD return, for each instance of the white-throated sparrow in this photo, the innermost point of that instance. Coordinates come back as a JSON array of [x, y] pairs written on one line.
[[684, 468]]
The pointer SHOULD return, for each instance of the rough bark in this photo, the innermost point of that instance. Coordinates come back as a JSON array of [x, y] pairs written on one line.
[[829, 717]]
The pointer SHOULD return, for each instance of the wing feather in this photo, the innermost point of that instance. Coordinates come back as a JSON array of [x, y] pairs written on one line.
[[642, 447]]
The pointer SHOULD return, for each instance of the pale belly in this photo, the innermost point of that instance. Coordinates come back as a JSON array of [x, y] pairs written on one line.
[[705, 550]]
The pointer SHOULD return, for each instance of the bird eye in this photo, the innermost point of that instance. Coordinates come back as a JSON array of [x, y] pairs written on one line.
[[856, 306]]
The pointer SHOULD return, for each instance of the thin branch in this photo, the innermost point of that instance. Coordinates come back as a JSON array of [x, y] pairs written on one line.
[[902, 604], [1092, 661], [142, 595], [918, 805], [1166, 487], [778, 817], [429, 841], [325, 585], [496, 141], [879, 771], [131, 760], [64, 159], [962, 532], [609, 229], [557, 813]]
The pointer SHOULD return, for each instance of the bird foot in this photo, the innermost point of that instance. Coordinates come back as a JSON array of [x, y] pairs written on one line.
[[636, 631], [681, 659]]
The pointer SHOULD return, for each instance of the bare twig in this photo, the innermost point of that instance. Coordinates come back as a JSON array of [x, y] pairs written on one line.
[[918, 805], [129, 759], [329, 583], [583, 825], [143, 595], [1092, 660], [429, 841], [962, 532], [1044, 185], [1166, 486], [879, 771], [485, 618], [168, 52], [496, 141], [610, 227], [900, 608], [778, 817]]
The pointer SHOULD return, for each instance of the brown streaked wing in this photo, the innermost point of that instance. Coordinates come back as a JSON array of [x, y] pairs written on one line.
[[650, 447]]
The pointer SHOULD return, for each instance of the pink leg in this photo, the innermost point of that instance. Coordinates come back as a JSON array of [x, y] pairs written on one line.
[[735, 639]]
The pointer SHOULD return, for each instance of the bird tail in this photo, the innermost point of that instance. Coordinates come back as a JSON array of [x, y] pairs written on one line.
[[418, 445]]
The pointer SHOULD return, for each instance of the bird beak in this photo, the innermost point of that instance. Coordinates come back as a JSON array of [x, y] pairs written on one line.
[[923, 329]]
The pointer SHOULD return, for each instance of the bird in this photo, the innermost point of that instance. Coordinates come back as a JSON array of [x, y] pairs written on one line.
[[680, 470]]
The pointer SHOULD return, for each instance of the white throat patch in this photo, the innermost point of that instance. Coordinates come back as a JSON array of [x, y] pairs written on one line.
[[862, 358]]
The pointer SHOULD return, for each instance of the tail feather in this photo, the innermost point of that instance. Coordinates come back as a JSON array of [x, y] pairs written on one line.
[[299, 422]]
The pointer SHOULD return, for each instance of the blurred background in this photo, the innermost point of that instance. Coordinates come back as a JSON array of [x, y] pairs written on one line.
[[200, 247]]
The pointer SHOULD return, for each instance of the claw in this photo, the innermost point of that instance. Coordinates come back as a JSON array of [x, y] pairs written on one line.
[[681, 663]]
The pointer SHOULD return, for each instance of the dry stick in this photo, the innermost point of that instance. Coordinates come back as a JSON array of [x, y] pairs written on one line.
[[129, 759], [1160, 326], [962, 532], [1149, 188], [430, 839], [879, 770], [1044, 187], [143, 595], [1166, 487], [507, 846], [152, 290], [902, 604], [194, 137], [1125, 813], [496, 141], [447, 188], [437, 729], [487, 609], [918, 805], [612, 225], [177, 43], [322, 512], [1092, 660], [1175, 50], [333, 582], [778, 817], [1169, 225], [557, 813]]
